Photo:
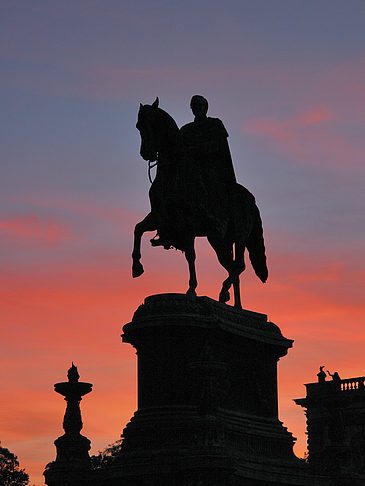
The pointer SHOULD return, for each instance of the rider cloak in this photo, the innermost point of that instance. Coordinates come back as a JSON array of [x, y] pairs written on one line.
[[209, 177]]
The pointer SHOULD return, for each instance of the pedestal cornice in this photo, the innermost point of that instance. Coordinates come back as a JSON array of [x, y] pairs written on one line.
[[180, 310]]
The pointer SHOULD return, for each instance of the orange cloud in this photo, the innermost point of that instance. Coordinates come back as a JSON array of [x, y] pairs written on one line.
[[105, 212], [30, 227]]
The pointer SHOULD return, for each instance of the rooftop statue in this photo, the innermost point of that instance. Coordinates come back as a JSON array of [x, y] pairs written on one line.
[[321, 375], [195, 193]]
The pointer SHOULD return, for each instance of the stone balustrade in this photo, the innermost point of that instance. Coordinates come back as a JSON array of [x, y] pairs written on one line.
[[350, 384]]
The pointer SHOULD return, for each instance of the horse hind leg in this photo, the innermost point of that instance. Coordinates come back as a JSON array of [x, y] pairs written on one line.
[[147, 224], [233, 278], [239, 261], [237, 292], [224, 254], [234, 266]]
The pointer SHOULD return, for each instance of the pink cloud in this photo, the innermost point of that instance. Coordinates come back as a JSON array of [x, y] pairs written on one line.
[[320, 114], [30, 227], [87, 208], [311, 137]]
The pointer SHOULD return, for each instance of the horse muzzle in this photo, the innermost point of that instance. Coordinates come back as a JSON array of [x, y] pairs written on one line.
[[149, 156]]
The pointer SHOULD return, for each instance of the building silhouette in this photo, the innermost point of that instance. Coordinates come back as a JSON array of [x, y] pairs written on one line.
[[335, 412]]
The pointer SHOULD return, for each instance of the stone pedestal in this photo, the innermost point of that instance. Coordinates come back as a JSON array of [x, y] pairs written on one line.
[[207, 399]]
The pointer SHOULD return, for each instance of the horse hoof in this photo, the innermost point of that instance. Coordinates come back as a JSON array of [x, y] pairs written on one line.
[[137, 269], [191, 292], [224, 296]]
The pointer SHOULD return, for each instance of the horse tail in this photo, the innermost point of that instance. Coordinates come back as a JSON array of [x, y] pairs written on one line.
[[256, 246]]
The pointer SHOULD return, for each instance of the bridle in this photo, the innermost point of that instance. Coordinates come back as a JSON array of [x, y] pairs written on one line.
[[151, 165]]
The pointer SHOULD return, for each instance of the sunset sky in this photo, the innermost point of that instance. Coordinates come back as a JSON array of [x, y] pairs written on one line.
[[287, 78]]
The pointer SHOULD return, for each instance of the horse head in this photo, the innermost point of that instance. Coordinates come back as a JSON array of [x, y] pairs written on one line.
[[156, 128]]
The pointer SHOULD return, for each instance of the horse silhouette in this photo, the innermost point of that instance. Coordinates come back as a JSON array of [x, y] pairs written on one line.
[[178, 222]]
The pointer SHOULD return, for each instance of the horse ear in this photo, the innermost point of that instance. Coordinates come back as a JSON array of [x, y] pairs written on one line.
[[140, 105], [155, 103]]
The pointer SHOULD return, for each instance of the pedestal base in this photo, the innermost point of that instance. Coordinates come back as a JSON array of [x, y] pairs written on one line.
[[72, 466], [207, 399]]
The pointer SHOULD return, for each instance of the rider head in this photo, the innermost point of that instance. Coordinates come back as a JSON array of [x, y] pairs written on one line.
[[199, 106]]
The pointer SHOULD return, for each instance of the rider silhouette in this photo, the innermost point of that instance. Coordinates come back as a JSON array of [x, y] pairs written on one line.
[[195, 194], [210, 170]]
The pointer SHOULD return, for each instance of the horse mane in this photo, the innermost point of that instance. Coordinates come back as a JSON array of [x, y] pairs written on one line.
[[170, 126]]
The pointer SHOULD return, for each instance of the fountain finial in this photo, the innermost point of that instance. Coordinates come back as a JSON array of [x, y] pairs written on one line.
[[72, 374]]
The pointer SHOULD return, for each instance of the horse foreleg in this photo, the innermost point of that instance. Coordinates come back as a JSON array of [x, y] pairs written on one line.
[[190, 257], [237, 293], [147, 224]]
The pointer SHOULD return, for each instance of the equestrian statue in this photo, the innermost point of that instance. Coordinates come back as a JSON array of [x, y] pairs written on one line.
[[195, 193]]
